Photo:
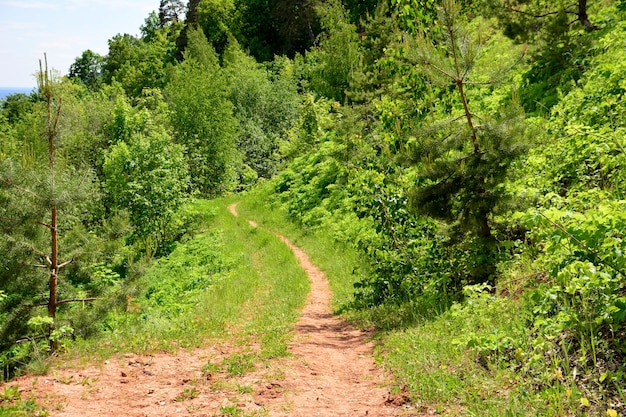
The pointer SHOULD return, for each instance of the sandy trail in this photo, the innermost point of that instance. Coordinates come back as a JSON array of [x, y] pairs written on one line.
[[331, 373]]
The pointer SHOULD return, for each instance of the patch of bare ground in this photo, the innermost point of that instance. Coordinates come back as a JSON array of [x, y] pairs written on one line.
[[331, 373]]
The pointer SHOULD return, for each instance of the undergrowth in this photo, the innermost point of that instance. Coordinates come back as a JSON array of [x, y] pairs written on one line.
[[230, 282], [483, 356]]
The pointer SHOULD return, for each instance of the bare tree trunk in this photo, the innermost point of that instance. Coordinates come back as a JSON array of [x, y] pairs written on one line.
[[583, 18], [54, 237]]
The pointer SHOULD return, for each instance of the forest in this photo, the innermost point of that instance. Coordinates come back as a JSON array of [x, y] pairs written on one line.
[[466, 156]]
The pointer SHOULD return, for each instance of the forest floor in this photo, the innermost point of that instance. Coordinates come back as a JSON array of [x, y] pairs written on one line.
[[330, 372]]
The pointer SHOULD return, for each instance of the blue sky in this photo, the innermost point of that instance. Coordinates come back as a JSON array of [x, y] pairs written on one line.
[[62, 29]]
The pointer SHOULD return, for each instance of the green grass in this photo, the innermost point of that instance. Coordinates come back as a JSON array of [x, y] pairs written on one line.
[[336, 260], [12, 404], [435, 360], [241, 284], [227, 283], [230, 281]]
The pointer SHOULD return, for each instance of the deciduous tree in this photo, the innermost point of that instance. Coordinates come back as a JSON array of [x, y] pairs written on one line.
[[202, 118], [148, 177], [337, 55], [265, 108], [88, 69], [525, 19]]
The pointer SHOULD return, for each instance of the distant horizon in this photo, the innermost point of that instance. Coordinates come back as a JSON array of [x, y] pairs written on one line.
[[7, 91]]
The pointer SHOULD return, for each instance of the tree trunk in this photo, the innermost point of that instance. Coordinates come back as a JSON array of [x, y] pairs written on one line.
[[54, 266], [485, 229], [52, 122], [468, 115], [583, 18]]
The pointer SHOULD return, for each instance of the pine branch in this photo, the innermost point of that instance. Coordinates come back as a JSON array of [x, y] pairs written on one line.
[[78, 300], [35, 250], [73, 300], [441, 71], [82, 180], [18, 188], [10, 219], [46, 225], [534, 16], [66, 263]]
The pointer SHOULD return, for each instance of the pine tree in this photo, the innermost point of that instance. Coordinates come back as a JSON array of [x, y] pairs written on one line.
[[170, 11], [39, 196], [463, 160], [191, 23]]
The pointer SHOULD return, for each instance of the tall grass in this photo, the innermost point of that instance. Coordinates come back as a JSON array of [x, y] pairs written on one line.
[[231, 280]]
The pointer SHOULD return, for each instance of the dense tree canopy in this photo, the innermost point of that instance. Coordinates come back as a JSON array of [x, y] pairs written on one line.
[[88, 69], [202, 118]]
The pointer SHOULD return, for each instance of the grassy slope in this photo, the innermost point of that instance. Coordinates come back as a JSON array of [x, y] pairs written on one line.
[[231, 281], [428, 353]]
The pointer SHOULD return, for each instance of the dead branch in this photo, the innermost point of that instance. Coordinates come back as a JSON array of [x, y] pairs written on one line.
[[77, 300], [46, 225], [64, 264]]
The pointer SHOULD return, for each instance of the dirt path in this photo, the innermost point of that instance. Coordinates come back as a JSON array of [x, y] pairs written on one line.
[[334, 373], [331, 373]]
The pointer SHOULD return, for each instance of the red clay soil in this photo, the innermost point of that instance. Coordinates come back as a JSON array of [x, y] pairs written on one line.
[[331, 373], [334, 374]]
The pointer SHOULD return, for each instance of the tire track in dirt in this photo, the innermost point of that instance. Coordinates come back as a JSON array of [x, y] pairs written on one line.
[[333, 372]]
